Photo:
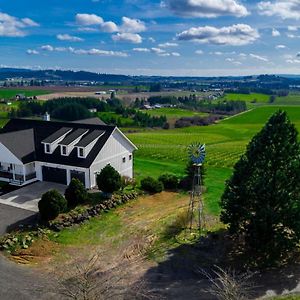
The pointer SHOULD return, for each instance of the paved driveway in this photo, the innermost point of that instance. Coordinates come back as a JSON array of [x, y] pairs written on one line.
[[28, 197]]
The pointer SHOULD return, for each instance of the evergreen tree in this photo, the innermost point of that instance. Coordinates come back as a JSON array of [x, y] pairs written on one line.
[[109, 180], [261, 201]]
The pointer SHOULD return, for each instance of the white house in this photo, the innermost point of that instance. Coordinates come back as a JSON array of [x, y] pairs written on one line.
[[36, 150]]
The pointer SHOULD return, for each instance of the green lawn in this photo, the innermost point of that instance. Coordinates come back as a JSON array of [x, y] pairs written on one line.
[[291, 99], [11, 93], [125, 122], [260, 98], [174, 113], [166, 150]]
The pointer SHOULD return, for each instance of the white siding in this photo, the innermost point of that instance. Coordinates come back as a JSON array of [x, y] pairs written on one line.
[[7, 157], [113, 152]]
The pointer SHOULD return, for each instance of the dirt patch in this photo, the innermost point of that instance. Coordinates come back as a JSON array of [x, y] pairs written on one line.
[[40, 253]]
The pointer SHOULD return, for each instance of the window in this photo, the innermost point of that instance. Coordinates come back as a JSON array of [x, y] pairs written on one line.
[[130, 157], [47, 148], [124, 159], [81, 152], [63, 150]]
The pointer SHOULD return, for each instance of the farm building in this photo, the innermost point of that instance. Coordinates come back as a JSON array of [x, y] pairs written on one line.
[[39, 150]]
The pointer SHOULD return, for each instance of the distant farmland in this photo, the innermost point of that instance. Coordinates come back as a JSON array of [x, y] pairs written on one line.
[[166, 150]]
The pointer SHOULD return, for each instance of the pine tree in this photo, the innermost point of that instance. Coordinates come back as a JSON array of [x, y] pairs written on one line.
[[261, 201]]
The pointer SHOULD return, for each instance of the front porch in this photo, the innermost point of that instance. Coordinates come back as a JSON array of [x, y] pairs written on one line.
[[18, 175]]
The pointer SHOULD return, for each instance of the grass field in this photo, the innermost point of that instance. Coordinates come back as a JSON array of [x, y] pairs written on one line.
[[166, 150], [174, 113], [248, 98], [11, 93], [291, 99]]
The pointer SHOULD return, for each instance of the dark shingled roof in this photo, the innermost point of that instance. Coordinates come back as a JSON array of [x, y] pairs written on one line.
[[20, 143], [38, 131], [89, 138], [70, 138], [56, 135], [92, 121]]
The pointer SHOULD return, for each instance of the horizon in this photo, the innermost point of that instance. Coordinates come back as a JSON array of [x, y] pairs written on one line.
[[147, 38]]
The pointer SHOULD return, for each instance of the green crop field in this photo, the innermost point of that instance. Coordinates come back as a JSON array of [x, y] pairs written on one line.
[[174, 113], [11, 93], [166, 150], [291, 99], [252, 99]]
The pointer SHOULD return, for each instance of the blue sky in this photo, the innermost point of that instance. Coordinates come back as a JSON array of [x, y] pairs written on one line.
[[168, 37]]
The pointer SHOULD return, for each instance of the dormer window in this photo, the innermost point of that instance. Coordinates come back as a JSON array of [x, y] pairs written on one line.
[[81, 152], [63, 150], [47, 148]]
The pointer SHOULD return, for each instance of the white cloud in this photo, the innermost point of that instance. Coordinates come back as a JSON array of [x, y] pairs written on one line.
[[92, 51], [152, 40], [235, 35], [87, 29], [166, 45], [199, 52], [127, 37], [141, 49], [275, 32], [132, 25], [32, 52], [13, 27], [70, 38], [285, 9], [292, 36], [30, 23], [88, 19], [292, 28], [47, 48], [109, 27], [258, 57], [280, 47], [293, 61], [206, 8], [158, 50]]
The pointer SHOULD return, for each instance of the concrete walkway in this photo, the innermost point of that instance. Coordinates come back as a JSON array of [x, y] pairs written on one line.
[[28, 197]]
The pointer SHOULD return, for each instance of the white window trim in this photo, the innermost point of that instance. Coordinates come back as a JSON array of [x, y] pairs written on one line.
[[49, 145], [78, 152], [61, 150]]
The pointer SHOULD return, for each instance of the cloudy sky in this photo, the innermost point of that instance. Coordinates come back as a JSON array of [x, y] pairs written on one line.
[[158, 37]]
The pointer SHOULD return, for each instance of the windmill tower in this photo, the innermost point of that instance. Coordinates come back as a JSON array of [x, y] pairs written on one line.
[[196, 207]]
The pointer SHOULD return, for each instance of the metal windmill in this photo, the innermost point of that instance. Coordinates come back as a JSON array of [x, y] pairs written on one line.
[[196, 219]]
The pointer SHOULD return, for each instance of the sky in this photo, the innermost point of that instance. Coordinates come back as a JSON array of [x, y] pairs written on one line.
[[158, 37]]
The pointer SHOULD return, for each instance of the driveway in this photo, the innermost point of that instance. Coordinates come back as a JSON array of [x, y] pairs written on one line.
[[23, 283], [11, 217], [28, 197]]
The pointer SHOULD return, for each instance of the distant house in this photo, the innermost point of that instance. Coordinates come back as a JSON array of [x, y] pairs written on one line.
[[38, 150], [20, 97]]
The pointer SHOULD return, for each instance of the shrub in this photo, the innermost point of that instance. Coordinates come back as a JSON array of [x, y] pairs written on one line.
[[109, 180], [75, 193], [151, 185], [51, 205], [170, 181]]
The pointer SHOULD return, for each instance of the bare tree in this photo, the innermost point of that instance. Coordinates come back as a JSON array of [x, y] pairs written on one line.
[[230, 285], [89, 281]]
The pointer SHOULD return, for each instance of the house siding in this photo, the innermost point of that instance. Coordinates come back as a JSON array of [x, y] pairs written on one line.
[[113, 152]]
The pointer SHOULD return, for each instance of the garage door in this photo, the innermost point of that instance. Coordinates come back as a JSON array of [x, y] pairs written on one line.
[[78, 175], [54, 175]]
